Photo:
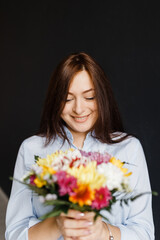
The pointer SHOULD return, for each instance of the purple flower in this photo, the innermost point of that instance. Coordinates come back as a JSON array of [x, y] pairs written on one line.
[[96, 156]]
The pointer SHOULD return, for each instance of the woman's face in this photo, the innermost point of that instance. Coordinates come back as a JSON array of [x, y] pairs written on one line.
[[80, 111]]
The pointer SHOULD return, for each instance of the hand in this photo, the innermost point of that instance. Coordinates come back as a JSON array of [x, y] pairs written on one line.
[[80, 226]]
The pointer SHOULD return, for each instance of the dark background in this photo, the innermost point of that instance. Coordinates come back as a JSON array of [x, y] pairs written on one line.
[[123, 36]]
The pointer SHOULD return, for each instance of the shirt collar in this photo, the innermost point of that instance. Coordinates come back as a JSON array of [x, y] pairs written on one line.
[[68, 133], [70, 136]]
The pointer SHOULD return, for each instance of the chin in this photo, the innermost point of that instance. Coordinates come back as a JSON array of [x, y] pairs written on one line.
[[83, 129]]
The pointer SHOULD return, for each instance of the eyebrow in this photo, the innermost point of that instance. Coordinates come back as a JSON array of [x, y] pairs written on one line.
[[86, 91]]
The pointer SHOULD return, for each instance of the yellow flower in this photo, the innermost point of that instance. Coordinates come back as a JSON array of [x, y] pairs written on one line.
[[50, 158], [88, 175], [83, 195], [39, 182], [47, 167], [47, 170], [47, 161], [120, 164]]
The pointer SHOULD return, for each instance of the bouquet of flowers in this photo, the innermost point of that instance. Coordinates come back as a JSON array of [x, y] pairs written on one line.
[[75, 179]]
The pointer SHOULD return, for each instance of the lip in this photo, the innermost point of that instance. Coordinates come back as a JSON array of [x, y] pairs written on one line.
[[80, 119]]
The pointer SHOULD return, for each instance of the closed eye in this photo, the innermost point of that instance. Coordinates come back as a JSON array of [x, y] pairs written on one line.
[[91, 98]]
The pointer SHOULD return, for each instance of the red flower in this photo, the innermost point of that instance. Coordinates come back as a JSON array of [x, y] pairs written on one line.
[[102, 198], [32, 177], [66, 183]]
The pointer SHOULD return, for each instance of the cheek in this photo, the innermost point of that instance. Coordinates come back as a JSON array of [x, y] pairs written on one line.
[[65, 111], [95, 110], [94, 107]]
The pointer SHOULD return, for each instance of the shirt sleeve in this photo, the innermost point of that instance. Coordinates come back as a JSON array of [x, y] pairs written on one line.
[[20, 214], [138, 221]]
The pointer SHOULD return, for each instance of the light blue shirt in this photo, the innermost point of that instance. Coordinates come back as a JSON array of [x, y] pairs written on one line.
[[135, 220]]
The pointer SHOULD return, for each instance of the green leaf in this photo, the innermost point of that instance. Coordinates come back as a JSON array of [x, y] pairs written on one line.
[[39, 191], [55, 212], [95, 217], [154, 193], [57, 202], [81, 209], [101, 215], [126, 200], [36, 158], [139, 195], [51, 214]]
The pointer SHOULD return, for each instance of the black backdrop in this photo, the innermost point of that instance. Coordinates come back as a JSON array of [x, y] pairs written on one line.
[[123, 37]]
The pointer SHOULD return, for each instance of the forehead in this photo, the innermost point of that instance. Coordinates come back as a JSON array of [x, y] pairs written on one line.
[[81, 82]]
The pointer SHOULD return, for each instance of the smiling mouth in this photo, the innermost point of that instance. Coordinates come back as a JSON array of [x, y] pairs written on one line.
[[81, 119]]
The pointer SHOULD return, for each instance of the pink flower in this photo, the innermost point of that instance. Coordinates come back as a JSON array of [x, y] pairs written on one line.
[[66, 183], [96, 156], [32, 177], [102, 198]]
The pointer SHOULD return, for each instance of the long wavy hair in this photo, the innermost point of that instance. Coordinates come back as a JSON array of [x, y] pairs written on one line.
[[108, 125]]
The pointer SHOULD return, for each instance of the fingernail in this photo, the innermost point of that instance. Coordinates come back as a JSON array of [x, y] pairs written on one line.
[[88, 223], [81, 214]]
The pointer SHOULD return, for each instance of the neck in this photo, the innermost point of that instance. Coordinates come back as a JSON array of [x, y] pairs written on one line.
[[78, 144], [78, 139]]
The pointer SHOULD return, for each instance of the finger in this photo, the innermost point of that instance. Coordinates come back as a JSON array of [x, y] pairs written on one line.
[[77, 232], [72, 223], [89, 216], [96, 226], [73, 214]]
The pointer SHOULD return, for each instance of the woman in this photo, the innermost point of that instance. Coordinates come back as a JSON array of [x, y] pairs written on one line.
[[80, 112]]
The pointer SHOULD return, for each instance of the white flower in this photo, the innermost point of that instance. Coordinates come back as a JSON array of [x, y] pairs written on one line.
[[74, 154], [37, 169], [114, 176], [50, 196], [65, 167], [46, 177]]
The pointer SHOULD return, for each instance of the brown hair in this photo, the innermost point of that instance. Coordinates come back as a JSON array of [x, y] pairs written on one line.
[[109, 120]]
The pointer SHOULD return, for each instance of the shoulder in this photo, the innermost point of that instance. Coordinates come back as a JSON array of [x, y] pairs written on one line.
[[32, 146], [128, 141], [128, 148], [131, 141], [34, 142], [125, 147], [36, 145]]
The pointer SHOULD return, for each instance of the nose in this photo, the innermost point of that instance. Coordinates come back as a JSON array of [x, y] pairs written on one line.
[[79, 106]]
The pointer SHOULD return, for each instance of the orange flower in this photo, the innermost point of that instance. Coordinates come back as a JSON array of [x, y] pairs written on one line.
[[83, 195]]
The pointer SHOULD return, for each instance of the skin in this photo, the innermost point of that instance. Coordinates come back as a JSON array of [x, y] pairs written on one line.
[[80, 114], [73, 226], [83, 226]]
